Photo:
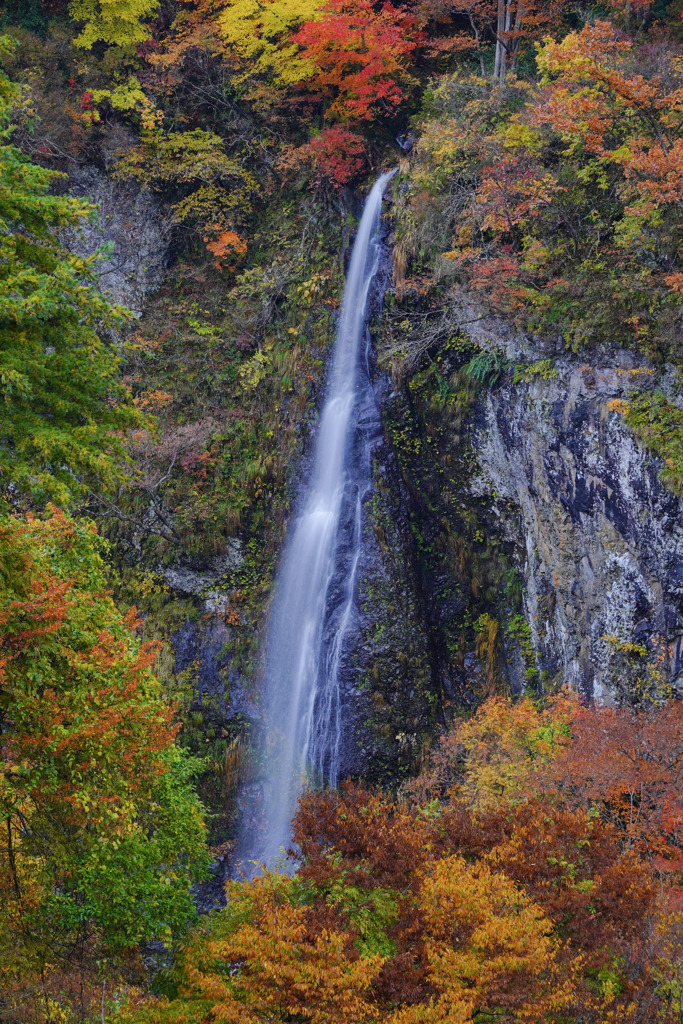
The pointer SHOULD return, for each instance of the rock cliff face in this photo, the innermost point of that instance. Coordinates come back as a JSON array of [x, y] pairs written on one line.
[[601, 544], [131, 226]]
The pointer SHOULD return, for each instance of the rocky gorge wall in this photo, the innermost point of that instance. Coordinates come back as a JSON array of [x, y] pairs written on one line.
[[601, 544], [130, 230]]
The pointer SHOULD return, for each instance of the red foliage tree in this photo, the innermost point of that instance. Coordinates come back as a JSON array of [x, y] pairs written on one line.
[[334, 158], [361, 54]]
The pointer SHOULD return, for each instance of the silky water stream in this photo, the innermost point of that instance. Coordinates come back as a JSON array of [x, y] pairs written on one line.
[[313, 605]]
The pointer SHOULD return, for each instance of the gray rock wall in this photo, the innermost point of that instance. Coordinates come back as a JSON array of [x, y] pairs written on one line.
[[131, 222], [602, 547]]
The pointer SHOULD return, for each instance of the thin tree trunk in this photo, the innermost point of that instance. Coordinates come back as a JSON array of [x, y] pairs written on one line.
[[506, 42], [500, 24], [475, 30], [12, 858], [516, 43]]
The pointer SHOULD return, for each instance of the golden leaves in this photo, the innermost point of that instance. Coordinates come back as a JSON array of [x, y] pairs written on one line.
[[283, 967], [482, 932]]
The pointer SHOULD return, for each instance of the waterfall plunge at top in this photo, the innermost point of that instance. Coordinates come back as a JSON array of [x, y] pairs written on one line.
[[307, 627]]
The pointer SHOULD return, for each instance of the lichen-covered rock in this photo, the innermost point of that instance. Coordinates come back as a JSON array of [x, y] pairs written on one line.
[[209, 581]]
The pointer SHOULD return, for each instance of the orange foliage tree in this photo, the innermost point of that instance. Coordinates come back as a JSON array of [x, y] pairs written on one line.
[[630, 763], [594, 80], [569, 192], [277, 964]]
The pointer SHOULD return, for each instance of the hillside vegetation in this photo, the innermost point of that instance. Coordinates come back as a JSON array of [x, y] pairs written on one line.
[[530, 868]]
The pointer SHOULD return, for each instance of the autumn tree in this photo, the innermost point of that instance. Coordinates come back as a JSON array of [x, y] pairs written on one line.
[[484, 940], [353, 64], [102, 833], [348, 61], [119, 23], [561, 209], [499, 753], [210, 193], [265, 957], [285, 949], [64, 404], [593, 83], [359, 59], [490, 794], [495, 884], [333, 158], [629, 762], [261, 37]]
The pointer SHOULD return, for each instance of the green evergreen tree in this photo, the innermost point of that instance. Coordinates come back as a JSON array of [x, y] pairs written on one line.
[[63, 404]]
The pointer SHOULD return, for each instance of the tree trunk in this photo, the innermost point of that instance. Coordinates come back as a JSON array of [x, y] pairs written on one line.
[[502, 74], [12, 858], [516, 43], [500, 54], [475, 31]]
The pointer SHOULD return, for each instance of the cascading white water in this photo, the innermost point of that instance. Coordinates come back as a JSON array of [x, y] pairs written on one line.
[[305, 635]]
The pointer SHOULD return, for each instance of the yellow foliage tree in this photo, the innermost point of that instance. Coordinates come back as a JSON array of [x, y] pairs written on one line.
[[489, 947], [209, 191], [117, 22], [496, 755], [258, 33]]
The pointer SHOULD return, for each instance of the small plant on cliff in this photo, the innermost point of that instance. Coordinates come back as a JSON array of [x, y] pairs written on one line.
[[526, 373], [487, 648], [659, 424], [486, 368], [520, 630]]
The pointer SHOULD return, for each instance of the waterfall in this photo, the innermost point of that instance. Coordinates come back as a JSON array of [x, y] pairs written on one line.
[[313, 602]]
